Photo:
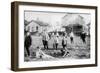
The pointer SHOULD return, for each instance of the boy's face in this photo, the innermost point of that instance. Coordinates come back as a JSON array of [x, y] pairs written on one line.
[[28, 33]]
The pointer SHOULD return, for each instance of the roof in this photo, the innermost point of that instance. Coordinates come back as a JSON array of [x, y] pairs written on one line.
[[73, 19], [26, 22], [40, 23]]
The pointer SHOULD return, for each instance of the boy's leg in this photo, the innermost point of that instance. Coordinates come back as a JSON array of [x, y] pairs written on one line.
[[56, 46], [43, 44], [28, 52], [46, 44], [63, 46]]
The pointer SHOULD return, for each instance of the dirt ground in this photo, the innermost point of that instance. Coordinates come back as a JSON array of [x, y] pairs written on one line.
[[77, 49]]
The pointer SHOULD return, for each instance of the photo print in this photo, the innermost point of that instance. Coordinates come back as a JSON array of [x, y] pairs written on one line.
[[50, 36]]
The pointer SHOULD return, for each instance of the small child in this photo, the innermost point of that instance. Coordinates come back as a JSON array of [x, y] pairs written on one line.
[[56, 41], [64, 42], [39, 52], [41, 55]]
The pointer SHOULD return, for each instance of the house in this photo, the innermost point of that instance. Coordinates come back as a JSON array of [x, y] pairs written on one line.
[[36, 26], [73, 23]]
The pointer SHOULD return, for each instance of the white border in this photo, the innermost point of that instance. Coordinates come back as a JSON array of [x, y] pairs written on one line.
[[33, 64]]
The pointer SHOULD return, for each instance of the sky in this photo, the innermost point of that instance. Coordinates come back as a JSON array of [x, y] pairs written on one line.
[[53, 18], [47, 17]]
